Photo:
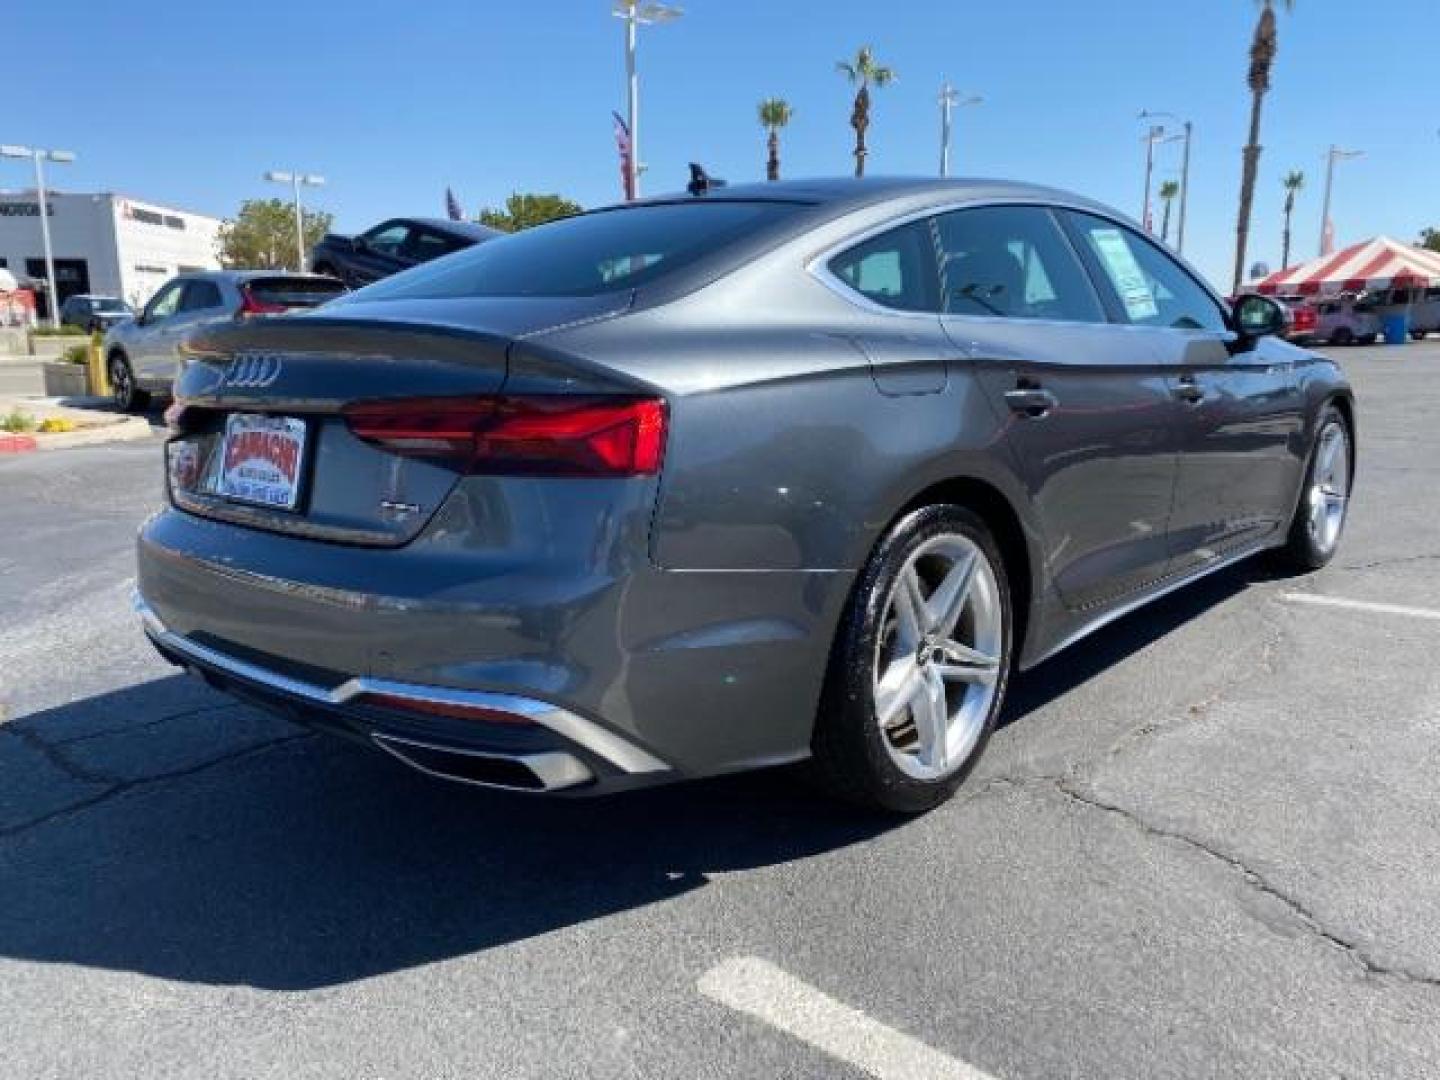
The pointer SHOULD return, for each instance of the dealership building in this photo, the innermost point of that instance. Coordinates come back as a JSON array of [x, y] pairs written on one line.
[[106, 244]]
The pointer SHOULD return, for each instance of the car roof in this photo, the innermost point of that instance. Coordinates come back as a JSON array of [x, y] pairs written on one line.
[[238, 276], [467, 230]]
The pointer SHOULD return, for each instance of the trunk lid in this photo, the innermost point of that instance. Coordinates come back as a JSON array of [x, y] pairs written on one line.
[[275, 388]]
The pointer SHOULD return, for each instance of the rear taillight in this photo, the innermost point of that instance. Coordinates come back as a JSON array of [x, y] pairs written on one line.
[[250, 306], [552, 436]]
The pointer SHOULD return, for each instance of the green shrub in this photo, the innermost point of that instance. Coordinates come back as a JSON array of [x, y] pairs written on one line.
[[58, 331], [17, 421], [77, 354]]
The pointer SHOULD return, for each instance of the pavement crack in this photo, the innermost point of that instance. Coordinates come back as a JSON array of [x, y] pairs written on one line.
[[121, 787], [1398, 560], [126, 729], [58, 758], [1303, 915]]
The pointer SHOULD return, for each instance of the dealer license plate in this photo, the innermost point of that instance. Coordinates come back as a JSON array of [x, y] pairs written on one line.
[[261, 460]]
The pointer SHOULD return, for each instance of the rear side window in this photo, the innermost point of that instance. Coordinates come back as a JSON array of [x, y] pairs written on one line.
[[200, 295], [1152, 288], [895, 269], [1013, 262], [293, 291], [588, 254]]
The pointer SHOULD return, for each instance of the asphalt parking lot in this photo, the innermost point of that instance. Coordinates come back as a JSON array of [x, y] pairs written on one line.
[[1205, 843]]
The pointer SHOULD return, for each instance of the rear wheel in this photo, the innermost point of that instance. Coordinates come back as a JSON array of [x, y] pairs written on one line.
[[1418, 335], [128, 397], [1343, 336], [920, 666], [1320, 516], [1366, 339]]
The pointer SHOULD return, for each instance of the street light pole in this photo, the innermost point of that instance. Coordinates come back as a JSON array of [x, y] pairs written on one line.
[[1154, 135], [1334, 154], [949, 101], [635, 15], [295, 179], [1150, 114], [52, 287]]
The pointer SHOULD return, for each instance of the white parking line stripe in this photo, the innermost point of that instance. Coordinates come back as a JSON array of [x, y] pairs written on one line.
[[758, 988], [1361, 605]]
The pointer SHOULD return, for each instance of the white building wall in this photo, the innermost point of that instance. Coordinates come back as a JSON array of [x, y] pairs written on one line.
[[131, 247]]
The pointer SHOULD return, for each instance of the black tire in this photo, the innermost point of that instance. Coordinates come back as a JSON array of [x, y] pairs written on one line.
[[1366, 339], [1418, 335], [850, 757], [128, 397], [1304, 550], [1343, 336]]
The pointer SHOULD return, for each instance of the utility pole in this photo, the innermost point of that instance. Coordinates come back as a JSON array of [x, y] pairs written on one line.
[[949, 101], [295, 179], [1150, 114]]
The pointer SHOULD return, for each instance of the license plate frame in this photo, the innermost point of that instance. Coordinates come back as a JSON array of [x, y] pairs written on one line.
[[274, 449]]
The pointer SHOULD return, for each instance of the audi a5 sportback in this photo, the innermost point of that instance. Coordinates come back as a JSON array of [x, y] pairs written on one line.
[[142, 355], [800, 471]]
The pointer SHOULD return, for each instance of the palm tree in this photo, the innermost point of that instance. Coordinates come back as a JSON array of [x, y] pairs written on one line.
[[1168, 190], [1293, 182], [1263, 47], [863, 72], [775, 113]]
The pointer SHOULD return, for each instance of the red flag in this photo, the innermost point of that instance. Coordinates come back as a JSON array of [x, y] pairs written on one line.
[[622, 143]]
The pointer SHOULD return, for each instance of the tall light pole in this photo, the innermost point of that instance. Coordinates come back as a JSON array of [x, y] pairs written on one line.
[[295, 179], [1184, 170], [39, 157], [949, 101], [635, 15], [1327, 233]]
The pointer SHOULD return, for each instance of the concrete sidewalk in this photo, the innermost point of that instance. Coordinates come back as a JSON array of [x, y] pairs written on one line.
[[94, 421]]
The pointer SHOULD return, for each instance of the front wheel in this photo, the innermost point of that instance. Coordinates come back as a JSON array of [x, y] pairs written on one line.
[[128, 397], [920, 665], [1418, 335], [1325, 500], [1343, 336]]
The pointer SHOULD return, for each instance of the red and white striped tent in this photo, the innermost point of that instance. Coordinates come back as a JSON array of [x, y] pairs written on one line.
[[1375, 265]]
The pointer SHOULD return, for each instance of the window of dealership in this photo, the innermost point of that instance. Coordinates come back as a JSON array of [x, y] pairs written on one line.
[[106, 244]]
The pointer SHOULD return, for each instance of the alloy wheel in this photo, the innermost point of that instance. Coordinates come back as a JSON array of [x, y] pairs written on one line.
[[939, 656], [1329, 486], [120, 384]]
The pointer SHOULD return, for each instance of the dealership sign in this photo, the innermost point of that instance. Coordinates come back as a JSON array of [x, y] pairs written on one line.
[[25, 209]]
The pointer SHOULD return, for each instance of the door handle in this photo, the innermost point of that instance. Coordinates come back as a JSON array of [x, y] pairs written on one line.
[[1032, 401], [1188, 390]]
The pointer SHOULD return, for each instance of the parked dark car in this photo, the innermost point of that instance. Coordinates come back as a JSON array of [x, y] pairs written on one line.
[[142, 354], [794, 471], [90, 312], [392, 246]]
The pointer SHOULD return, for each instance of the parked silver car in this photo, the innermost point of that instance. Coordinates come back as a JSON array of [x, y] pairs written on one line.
[[790, 472], [142, 354]]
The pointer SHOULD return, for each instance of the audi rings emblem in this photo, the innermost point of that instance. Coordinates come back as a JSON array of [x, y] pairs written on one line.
[[251, 371]]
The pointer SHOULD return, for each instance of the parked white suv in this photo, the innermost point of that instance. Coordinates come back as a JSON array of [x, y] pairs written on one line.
[[1346, 321]]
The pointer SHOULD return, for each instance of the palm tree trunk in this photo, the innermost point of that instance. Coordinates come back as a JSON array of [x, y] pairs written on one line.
[[1251, 167], [772, 162], [1165, 224], [1285, 244], [860, 120]]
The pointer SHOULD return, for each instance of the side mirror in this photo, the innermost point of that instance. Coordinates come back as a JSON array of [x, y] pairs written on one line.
[[1258, 316]]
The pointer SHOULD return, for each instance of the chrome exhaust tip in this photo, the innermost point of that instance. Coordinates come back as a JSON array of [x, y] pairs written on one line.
[[551, 770]]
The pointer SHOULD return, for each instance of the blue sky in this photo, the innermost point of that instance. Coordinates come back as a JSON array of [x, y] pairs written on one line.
[[190, 103]]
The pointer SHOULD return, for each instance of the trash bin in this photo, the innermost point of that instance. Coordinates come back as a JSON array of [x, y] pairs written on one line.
[[1397, 329]]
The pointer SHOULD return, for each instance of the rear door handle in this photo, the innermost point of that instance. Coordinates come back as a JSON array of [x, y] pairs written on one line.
[[1188, 390], [1033, 402]]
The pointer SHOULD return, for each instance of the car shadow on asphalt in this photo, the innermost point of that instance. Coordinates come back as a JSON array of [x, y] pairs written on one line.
[[292, 863]]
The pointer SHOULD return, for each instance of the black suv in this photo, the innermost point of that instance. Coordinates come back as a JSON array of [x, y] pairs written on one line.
[[90, 312], [392, 246]]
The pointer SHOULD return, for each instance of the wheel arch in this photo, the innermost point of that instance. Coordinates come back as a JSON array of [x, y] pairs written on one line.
[[1015, 540]]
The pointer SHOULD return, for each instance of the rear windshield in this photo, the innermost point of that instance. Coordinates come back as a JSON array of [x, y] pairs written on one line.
[[294, 291], [107, 303], [586, 255]]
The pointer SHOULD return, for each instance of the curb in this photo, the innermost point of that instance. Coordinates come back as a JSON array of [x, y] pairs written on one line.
[[127, 430]]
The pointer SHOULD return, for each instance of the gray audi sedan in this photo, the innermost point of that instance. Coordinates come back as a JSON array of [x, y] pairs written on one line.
[[793, 472]]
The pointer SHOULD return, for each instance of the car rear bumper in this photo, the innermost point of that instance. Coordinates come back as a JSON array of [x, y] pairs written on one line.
[[638, 674], [542, 747]]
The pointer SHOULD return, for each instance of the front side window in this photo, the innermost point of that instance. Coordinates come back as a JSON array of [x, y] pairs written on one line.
[[388, 239], [1152, 288], [165, 302], [1012, 262], [895, 269]]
